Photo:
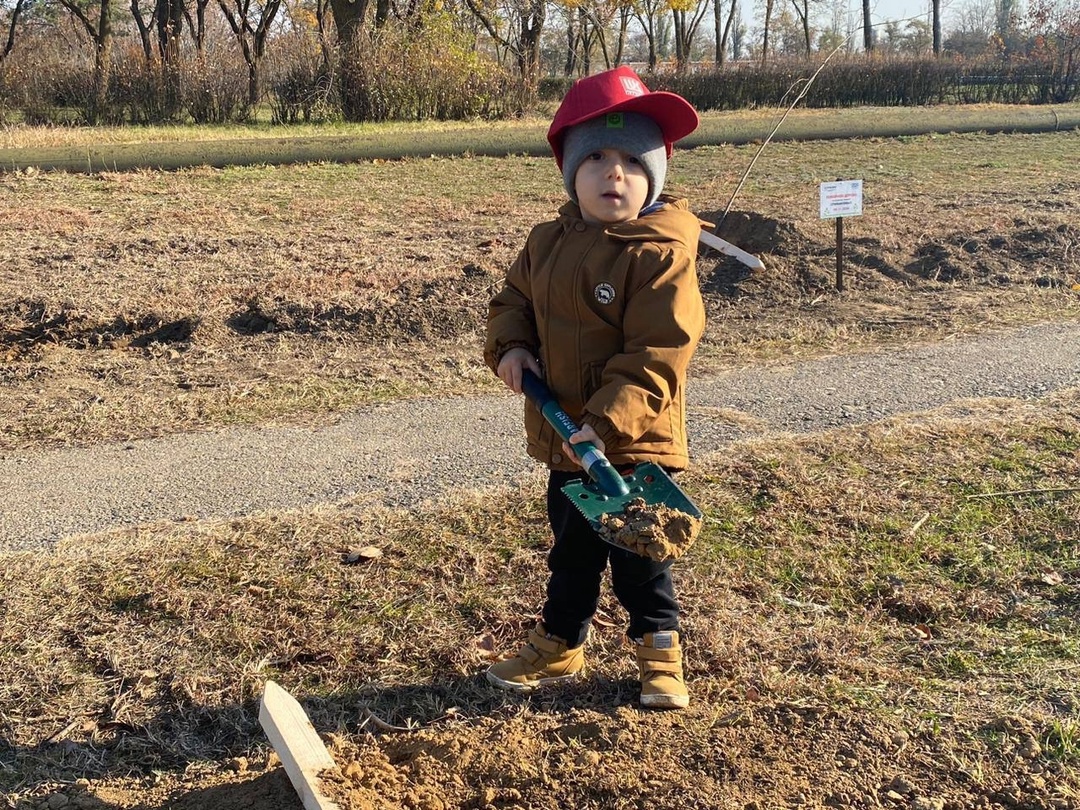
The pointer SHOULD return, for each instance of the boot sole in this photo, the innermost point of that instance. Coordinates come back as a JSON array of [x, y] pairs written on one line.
[[515, 686], [665, 701]]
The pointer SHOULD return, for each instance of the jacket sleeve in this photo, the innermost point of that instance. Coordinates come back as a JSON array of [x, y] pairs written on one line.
[[663, 321], [511, 321]]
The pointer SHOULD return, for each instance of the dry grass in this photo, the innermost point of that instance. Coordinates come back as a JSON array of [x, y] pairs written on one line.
[[918, 574], [140, 303]]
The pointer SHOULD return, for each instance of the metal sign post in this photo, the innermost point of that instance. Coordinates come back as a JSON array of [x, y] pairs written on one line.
[[838, 200]]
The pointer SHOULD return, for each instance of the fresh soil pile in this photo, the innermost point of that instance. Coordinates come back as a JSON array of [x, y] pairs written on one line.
[[651, 530], [754, 757]]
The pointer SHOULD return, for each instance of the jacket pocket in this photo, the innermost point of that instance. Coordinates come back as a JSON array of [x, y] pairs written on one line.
[[593, 378]]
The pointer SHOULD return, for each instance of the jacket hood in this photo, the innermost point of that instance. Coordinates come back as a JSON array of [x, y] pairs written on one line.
[[674, 222]]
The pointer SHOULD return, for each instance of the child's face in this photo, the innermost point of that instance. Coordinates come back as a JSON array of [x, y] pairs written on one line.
[[611, 187]]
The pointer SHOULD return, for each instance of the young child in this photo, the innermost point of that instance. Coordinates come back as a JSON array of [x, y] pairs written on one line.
[[603, 304]]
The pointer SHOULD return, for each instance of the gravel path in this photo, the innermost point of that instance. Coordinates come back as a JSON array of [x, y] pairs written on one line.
[[403, 453]]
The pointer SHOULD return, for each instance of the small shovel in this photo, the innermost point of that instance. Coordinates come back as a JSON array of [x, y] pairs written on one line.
[[608, 493]]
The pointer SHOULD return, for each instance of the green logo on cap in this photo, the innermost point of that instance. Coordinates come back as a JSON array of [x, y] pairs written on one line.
[[614, 121]]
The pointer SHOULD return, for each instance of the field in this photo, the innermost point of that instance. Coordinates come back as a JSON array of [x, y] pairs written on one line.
[[881, 616]]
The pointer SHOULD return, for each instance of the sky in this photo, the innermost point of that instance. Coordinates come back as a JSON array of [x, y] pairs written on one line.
[[880, 10]]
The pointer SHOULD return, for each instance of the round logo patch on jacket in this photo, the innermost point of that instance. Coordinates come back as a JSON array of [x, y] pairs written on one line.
[[604, 293]]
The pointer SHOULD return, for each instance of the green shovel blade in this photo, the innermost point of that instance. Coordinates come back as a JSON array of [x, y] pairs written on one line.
[[648, 481]]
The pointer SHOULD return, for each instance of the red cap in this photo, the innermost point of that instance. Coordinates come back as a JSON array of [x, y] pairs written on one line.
[[621, 90]]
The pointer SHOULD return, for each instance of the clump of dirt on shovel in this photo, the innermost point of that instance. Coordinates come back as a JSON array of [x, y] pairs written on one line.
[[657, 531]]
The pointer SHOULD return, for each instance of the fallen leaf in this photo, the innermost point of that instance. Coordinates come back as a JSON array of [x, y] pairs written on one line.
[[486, 645], [1052, 578], [923, 632], [355, 556]]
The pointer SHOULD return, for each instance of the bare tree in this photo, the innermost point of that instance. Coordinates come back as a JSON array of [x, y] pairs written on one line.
[[250, 22], [867, 27], [169, 15], [349, 19], [721, 37], [765, 35], [935, 6], [144, 25], [738, 31], [12, 26], [596, 19], [197, 24], [524, 26], [570, 65], [687, 16], [101, 35], [802, 11], [647, 12]]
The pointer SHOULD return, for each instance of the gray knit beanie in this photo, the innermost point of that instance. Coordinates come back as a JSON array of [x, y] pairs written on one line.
[[633, 133]]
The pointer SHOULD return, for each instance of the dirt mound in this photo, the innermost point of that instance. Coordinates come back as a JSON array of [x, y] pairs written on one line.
[[414, 310], [30, 322], [1025, 253]]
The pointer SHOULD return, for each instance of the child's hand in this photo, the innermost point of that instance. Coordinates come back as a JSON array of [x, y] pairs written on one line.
[[586, 434], [511, 365]]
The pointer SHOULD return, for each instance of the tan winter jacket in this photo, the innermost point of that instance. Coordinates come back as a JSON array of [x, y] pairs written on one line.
[[613, 314]]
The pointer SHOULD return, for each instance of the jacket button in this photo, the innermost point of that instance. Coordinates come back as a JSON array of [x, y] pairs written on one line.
[[580, 226], [556, 457]]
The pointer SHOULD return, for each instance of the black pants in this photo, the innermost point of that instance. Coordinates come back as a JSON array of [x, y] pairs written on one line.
[[577, 562]]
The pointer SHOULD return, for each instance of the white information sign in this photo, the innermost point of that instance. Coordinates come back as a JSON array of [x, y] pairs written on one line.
[[841, 199]]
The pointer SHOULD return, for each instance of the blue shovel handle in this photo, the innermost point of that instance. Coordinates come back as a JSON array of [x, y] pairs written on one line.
[[593, 460]]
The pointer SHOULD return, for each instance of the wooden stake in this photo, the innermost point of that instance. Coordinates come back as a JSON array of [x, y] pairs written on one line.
[[840, 253], [712, 240], [298, 745]]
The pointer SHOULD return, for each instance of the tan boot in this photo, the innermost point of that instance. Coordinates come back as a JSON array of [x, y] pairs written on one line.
[[543, 660], [660, 662]]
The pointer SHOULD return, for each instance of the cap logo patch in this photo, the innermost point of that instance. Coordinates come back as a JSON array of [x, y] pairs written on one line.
[[614, 121], [632, 87], [604, 293]]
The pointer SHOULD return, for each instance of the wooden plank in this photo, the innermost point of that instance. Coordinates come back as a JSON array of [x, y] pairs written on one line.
[[725, 247], [300, 748]]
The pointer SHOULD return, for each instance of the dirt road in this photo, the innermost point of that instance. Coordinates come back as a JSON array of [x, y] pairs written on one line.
[[404, 452]]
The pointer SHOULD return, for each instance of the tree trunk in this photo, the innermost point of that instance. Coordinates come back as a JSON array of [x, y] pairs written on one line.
[[170, 26], [624, 24], [646, 12], [197, 25], [532, 26], [348, 20], [9, 42], [936, 14], [682, 57], [803, 13], [721, 31], [867, 30], [324, 44], [806, 27], [382, 12], [253, 81], [765, 36], [102, 64], [571, 45], [738, 31], [144, 31]]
